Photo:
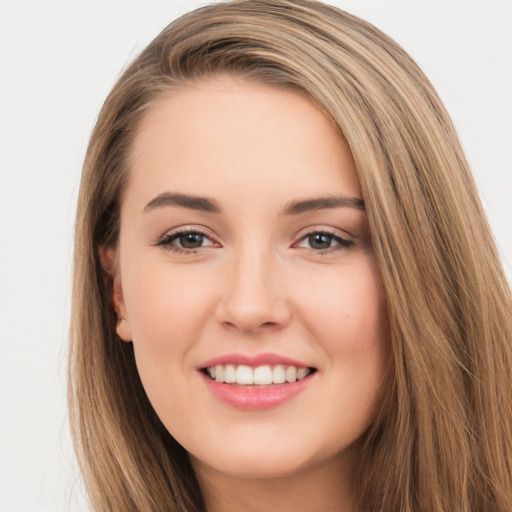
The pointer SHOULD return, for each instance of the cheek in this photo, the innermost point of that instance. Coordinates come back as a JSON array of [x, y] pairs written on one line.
[[166, 308], [347, 310], [348, 319], [163, 301]]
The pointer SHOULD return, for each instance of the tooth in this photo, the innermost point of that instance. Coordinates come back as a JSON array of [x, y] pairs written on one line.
[[278, 374], [229, 373], [219, 373], [244, 375], [302, 372], [211, 372], [262, 375], [291, 374]]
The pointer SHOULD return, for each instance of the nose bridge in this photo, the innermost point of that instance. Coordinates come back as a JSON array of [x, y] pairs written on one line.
[[252, 297]]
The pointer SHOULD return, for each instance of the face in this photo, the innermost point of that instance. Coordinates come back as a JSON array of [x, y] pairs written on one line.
[[247, 281]]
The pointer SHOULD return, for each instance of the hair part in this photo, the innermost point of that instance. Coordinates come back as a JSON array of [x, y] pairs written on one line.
[[444, 432]]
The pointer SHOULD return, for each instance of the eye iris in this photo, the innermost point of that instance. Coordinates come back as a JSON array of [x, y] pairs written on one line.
[[191, 240], [320, 241]]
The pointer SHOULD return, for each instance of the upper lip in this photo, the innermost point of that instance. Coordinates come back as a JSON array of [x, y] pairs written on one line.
[[254, 360]]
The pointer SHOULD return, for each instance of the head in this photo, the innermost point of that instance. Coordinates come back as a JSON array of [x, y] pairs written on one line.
[[438, 272]]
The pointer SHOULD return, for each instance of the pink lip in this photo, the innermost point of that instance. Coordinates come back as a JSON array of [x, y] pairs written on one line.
[[256, 398], [256, 360]]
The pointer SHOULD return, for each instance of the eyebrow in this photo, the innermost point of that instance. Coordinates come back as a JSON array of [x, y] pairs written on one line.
[[204, 204], [321, 203]]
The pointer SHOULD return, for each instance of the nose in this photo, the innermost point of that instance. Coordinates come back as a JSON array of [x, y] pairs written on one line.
[[254, 297]]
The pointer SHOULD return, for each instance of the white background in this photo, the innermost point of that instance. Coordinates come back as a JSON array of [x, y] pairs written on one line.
[[58, 60]]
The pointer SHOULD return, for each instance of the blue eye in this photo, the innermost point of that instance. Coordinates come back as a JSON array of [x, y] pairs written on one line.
[[190, 240], [184, 241], [323, 241], [320, 240]]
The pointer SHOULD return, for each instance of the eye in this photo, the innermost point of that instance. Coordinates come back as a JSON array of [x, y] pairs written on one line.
[[190, 240], [320, 240], [185, 240], [324, 241]]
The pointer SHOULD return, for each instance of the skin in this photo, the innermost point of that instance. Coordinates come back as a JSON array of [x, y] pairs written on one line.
[[255, 284]]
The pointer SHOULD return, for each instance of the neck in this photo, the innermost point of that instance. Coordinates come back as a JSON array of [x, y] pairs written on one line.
[[325, 488]]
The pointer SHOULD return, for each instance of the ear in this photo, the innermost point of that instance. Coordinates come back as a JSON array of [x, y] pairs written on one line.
[[109, 262]]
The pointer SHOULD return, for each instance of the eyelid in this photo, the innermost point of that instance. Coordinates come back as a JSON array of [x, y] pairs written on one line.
[[168, 236], [345, 241], [321, 228]]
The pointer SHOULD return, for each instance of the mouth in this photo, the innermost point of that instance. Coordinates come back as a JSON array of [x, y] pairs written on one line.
[[259, 376], [256, 382]]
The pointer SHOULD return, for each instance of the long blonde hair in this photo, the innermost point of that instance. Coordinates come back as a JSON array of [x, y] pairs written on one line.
[[443, 437]]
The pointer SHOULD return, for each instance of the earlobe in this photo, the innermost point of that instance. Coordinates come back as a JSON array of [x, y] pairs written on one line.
[[123, 328], [109, 263]]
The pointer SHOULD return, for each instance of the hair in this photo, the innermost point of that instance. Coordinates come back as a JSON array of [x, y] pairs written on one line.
[[442, 439]]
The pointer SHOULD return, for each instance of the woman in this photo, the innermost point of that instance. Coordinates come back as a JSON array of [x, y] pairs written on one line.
[[286, 293]]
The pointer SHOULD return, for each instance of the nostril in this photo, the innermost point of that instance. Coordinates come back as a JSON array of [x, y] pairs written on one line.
[[250, 327], [251, 306]]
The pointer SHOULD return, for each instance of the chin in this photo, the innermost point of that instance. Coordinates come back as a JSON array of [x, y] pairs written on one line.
[[260, 468], [257, 462]]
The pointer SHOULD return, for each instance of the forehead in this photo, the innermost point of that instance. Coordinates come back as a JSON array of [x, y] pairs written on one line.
[[227, 136]]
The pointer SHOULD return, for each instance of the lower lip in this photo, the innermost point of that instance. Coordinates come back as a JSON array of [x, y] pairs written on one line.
[[256, 398]]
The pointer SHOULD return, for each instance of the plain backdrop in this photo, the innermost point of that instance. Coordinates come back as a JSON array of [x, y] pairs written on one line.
[[58, 60]]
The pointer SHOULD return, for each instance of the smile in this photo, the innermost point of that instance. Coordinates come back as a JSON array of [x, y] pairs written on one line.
[[256, 383], [264, 375]]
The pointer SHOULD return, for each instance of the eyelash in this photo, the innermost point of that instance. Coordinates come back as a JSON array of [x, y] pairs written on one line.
[[166, 241], [344, 244]]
